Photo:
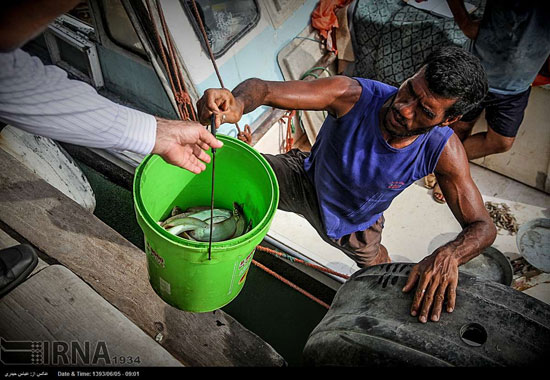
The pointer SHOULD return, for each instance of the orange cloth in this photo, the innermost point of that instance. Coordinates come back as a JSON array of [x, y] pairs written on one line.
[[541, 80], [324, 19]]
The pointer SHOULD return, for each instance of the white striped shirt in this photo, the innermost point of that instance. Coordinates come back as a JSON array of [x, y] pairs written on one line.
[[42, 100]]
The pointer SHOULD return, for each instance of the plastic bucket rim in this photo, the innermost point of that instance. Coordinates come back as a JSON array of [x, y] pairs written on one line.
[[203, 246]]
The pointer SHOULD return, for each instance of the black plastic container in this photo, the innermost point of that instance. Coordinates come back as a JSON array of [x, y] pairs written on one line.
[[369, 324]]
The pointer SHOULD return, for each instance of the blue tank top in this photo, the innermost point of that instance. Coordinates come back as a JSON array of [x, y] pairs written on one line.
[[356, 172]]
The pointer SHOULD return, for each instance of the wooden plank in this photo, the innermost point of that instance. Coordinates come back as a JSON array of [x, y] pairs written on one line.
[[117, 270], [274, 116], [57, 307], [7, 241]]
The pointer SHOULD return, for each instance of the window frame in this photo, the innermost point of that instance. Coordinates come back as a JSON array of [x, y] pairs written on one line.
[[109, 36], [191, 16]]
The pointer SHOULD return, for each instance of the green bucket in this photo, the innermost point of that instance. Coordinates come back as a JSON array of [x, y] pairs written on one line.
[[180, 271]]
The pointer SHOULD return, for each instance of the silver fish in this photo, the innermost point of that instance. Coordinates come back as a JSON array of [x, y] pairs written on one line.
[[205, 214], [168, 222], [221, 229], [186, 224], [194, 223]]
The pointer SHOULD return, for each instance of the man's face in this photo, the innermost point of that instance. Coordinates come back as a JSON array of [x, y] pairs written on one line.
[[415, 110]]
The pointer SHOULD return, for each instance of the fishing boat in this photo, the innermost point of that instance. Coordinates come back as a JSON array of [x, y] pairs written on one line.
[[153, 56]]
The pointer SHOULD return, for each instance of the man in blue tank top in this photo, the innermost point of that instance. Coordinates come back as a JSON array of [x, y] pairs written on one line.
[[376, 141]]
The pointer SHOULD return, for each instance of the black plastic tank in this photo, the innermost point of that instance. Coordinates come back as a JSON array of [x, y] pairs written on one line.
[[369, 324]]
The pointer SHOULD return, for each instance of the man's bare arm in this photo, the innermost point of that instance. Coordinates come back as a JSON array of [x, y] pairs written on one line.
[[465, 201], [463, 19], [337, 95], [437, 274]]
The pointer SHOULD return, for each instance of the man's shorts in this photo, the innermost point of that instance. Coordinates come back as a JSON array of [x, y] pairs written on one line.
[[504, 113], [298, 195]]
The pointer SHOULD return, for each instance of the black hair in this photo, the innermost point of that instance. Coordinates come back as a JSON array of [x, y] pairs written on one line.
[[453, 73]]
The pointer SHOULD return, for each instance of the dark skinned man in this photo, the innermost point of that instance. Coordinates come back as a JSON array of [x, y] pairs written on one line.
[[376, 141]]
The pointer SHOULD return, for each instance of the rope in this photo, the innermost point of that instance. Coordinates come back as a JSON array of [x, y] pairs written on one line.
[[294, 286], [179, 89], [296, 260], [245, 136], [182, 95], [308, 38], [310, 72], [204, 35], [183, 100], [289, 140]]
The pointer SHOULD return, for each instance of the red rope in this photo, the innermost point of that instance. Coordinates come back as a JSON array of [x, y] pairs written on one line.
[[293, 259], [296, 287]]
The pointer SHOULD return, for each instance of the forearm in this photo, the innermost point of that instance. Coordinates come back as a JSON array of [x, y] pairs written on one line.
[[251, 94], [460, 14], [336, 94], [22, 20], [465, 22], [473, 239], [42, 100]]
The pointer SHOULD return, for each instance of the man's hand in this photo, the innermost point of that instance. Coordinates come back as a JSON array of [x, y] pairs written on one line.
[[468, 25], [222, 103], [437, 275], [184, 144]]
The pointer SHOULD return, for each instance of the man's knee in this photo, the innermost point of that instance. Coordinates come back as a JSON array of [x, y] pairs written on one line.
[[498, 143]]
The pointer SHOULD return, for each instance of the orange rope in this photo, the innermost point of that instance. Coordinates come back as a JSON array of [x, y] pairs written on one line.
[[289, 141], [293, 259], [296, 287], [181, 95]]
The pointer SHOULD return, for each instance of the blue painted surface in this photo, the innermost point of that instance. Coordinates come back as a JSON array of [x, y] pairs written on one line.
[[258, 59]]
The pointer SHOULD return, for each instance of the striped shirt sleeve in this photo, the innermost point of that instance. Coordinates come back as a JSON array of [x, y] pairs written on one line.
[[42, 100]]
